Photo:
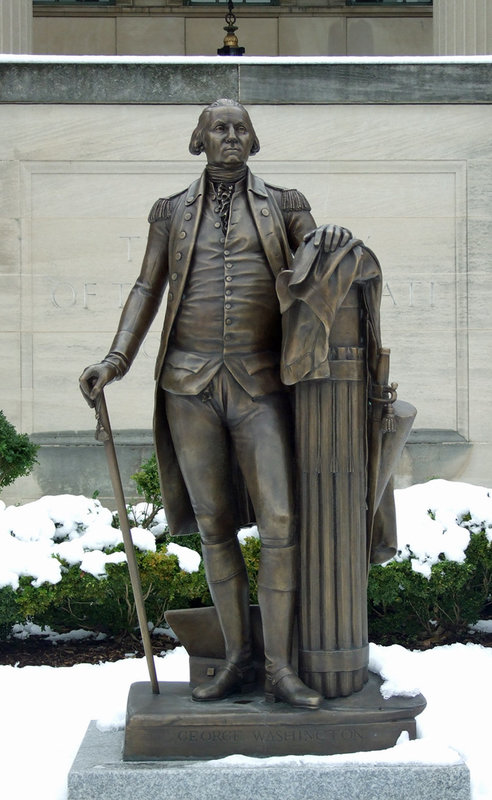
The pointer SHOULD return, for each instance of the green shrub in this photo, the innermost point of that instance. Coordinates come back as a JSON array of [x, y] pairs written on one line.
[[251, 552], [403, 606], [406, 607], [106, 604], [191, 540], [17, 453], [148, 487], [9, 612]]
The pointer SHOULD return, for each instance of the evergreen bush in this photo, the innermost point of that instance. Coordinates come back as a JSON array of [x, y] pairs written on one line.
[[106, 604], [407, 608], [9, 611], [148, 487], [17, 453], [404, 606]]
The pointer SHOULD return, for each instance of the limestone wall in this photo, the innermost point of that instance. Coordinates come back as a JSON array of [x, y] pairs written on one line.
[[412, 179]]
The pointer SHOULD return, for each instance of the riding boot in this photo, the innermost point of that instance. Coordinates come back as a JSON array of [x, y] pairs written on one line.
[[276, 596], [228, 583]]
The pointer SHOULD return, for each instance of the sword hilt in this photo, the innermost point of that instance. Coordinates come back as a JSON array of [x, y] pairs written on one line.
[[103, 433]]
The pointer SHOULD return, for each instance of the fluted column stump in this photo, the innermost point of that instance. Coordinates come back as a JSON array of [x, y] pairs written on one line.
[[331, 423]]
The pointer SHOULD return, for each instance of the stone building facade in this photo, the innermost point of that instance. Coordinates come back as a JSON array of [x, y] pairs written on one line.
[[266, 27], [168, 27], [396, 149]]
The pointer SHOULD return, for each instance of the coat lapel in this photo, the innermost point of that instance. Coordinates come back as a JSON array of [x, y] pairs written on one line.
[[267, 217], [185, 224]]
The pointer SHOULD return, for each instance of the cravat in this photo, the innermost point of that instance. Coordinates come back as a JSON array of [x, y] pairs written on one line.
[[223, 193]]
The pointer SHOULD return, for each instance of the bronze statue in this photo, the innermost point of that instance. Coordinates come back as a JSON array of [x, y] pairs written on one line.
[[224, 246], [220, 245]]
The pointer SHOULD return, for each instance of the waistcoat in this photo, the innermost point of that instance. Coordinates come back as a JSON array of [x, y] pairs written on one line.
[[229, 314]]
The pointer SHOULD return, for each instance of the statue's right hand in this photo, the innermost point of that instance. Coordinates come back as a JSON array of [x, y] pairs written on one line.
[[94, 379]]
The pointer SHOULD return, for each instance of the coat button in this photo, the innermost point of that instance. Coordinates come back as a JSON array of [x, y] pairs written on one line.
[[178, 256], [265, 212], [187, 216], [216, 224], [182, 234], [174, 276], [170, 296]]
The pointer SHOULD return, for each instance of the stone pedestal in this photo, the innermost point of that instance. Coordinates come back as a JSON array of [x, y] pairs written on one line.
[[99, 773], [462, 28], [16, 26]]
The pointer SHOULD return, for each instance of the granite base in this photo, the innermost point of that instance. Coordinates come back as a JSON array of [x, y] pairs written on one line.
[[99, 773]]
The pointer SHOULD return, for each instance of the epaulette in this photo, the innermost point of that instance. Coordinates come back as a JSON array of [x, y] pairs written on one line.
[[162, 208], [293, 200]]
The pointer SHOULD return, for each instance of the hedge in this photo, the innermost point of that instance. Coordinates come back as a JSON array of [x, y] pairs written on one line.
[[403, 606], [406, 604], [106, 604]]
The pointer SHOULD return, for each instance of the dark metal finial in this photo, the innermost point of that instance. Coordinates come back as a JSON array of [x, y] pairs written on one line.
[[231, 43]]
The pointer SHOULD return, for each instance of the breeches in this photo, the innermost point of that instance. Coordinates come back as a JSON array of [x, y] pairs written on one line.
[[204, 427]]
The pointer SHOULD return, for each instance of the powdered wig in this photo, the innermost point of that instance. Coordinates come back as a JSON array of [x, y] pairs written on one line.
[[196, 141]]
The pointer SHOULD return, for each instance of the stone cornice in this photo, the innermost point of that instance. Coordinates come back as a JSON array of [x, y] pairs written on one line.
[[195, 80]]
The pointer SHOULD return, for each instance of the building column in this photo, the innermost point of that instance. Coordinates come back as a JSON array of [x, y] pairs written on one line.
[[15, 26], [462, 27]]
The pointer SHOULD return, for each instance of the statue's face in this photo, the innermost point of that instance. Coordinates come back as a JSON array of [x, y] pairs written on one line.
[[227, 137]]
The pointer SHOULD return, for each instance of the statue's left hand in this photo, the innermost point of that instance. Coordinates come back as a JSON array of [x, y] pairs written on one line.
[[331, 237]]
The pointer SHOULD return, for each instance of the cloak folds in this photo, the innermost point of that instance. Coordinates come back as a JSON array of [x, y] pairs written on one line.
[[311, 294]]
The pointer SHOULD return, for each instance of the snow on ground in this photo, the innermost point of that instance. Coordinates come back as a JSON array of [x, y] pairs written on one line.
[[45, 711]]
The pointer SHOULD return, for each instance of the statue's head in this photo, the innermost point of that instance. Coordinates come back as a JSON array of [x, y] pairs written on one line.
[[225, 133]]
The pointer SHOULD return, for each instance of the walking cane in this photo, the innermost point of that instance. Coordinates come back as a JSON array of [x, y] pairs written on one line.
[[104, 434]]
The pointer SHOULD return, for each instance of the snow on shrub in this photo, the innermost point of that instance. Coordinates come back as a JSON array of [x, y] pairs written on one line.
[[188, 560], [37, 537], [436, 519], [440, 581], [62, 564]]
